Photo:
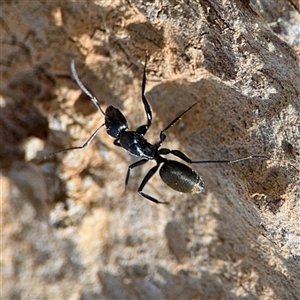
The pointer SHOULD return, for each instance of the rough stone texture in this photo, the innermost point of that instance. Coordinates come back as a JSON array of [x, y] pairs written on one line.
[[68, 228]]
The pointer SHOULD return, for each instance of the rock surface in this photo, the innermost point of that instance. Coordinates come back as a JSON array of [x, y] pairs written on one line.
[[69, 228]]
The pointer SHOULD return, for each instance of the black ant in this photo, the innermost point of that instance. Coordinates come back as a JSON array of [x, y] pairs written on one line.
[[175, 174]]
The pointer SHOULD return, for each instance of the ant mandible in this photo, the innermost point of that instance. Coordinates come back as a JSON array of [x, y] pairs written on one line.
[[175, 174]]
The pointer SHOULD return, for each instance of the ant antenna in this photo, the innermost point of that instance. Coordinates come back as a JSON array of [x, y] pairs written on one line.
[[83, 88], [94, 100], [78, 147]]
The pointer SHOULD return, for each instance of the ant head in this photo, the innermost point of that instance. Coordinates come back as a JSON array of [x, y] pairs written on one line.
[[115, 122]]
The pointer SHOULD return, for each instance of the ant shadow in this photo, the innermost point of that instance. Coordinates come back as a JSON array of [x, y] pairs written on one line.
[[218, 129]]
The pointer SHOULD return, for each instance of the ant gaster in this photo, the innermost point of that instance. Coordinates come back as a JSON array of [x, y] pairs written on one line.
[[175, 174]]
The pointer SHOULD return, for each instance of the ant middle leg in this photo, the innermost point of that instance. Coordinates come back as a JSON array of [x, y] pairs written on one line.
[[162, 133]]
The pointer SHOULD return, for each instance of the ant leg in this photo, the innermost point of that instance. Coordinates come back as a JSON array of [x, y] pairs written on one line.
[[254, 156], [162, 133], [165, 151], [75, 148], [117, 143], [143, 129], [134, 165], [145, 181], [181, 155], [83, 88]]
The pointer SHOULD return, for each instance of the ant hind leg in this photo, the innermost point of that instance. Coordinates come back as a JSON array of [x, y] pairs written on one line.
[[145, 181]]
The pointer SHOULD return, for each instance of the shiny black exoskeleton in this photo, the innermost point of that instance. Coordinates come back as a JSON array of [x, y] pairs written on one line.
[[175, 174]]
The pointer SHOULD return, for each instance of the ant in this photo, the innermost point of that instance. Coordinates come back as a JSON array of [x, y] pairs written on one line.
[[175, 174]]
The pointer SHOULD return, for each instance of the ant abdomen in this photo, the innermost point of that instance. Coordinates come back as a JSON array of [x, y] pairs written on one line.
[[181, 177]]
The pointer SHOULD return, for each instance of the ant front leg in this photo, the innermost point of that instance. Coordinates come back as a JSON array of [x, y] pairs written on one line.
[[144, 128], [145, 181]]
